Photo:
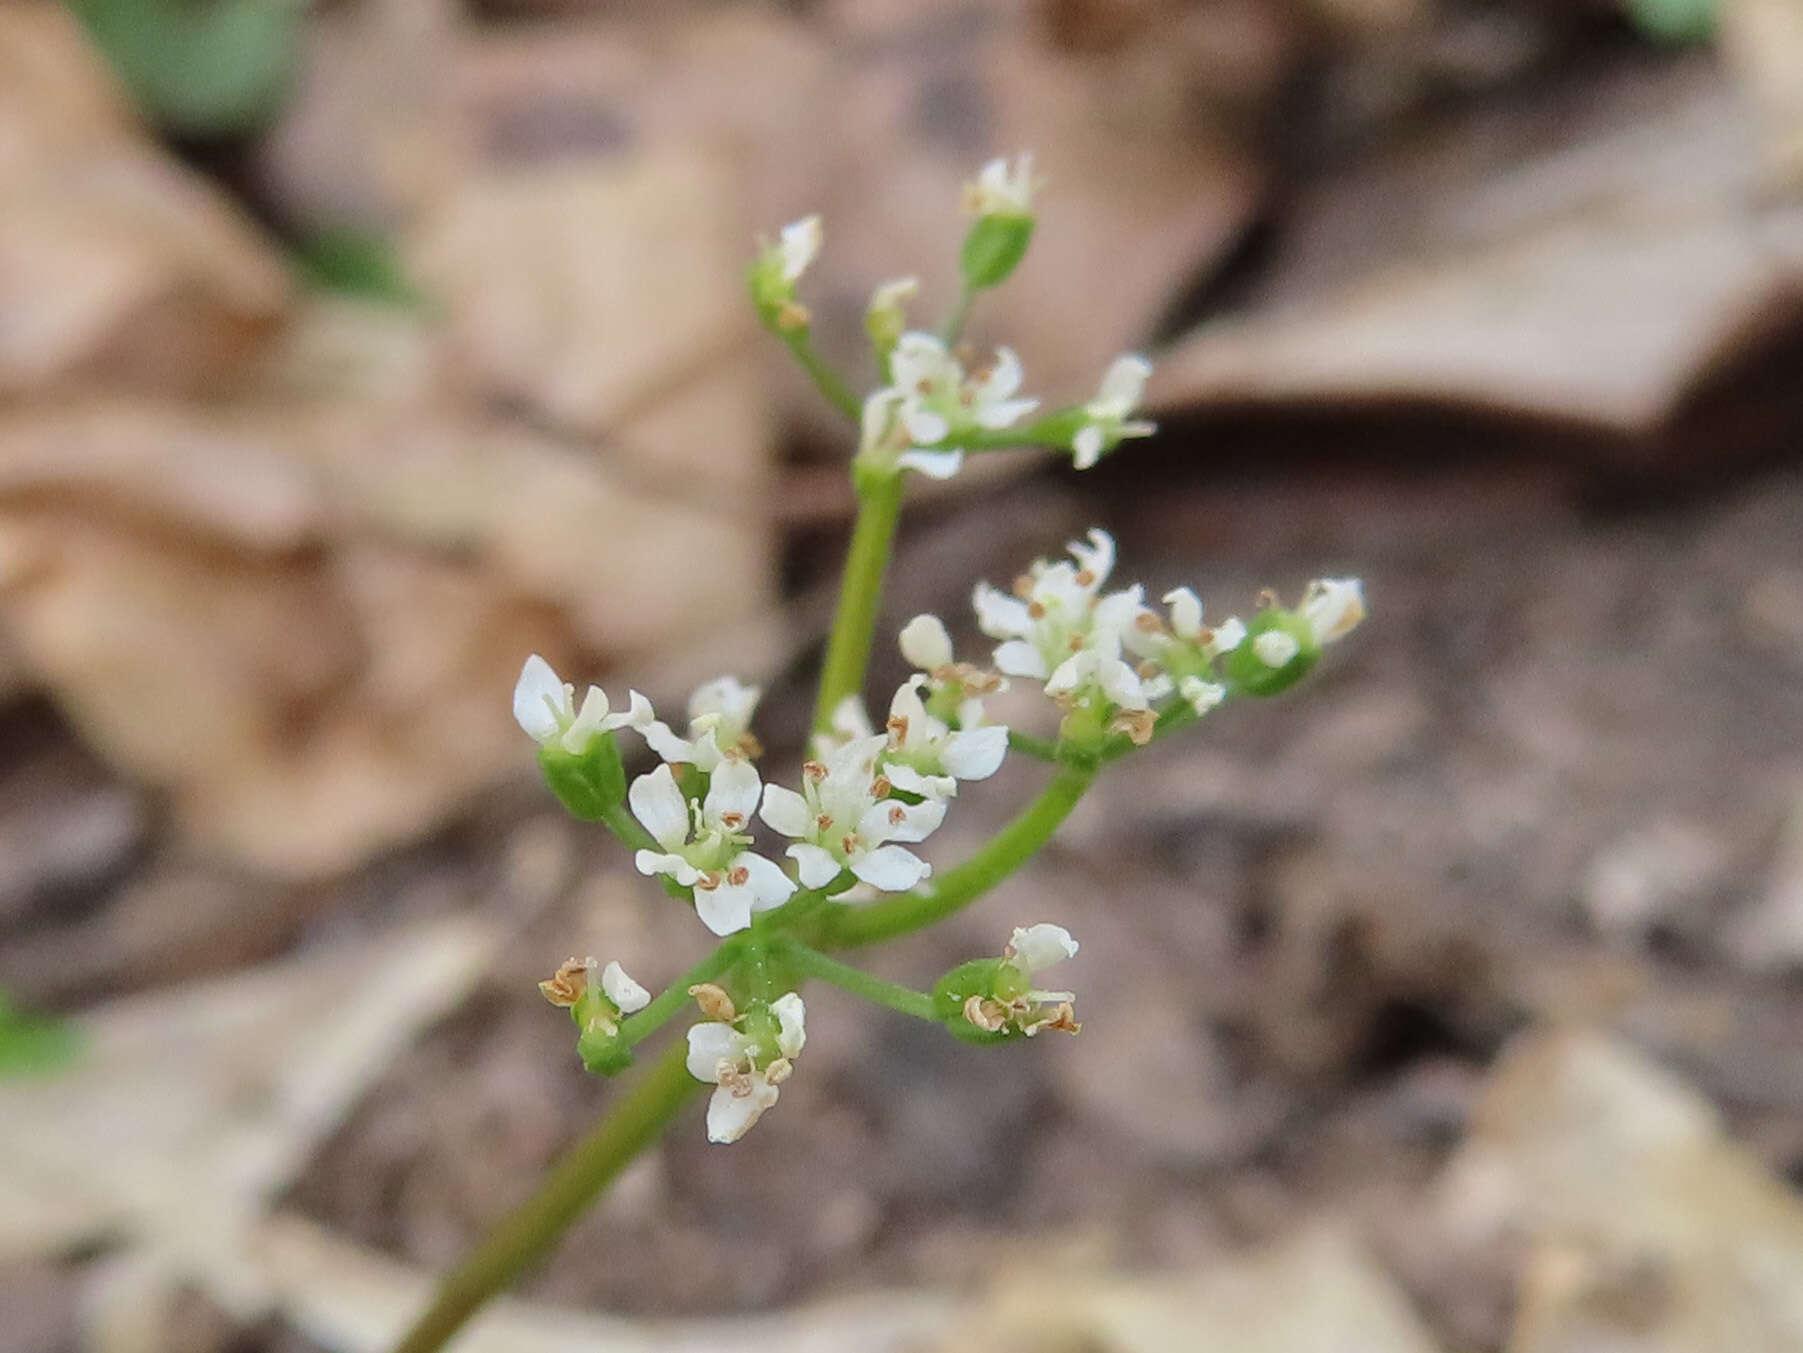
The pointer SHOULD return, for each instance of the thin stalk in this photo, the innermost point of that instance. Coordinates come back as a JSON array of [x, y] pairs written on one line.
[[813, 963], [848, 927], [635, 1029], [631, 833], [526, 1233], [826, 380], [953, 328], [1043, 749], [860, 593]]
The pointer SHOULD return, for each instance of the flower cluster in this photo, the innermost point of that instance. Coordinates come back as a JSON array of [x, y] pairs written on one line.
[[746, 1057]]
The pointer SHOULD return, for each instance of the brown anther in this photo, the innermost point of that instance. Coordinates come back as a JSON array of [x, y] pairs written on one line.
[[710, 879], [849, 843], [1146, 670], [977, 681], [714, 1002], [748, 746], [988, 1015], [778, 1071], [1036, 610], [1062, 1020], [566, 987], [738, 876], [813, 770], [880, 788], [1149, 621], [898, 727], [897, 815], [1137, 724], [792, 315], [1206, 635], [1023, 586], [1086, 577], [1075, 643], [1267, 597], [824, 822], [732, 821]]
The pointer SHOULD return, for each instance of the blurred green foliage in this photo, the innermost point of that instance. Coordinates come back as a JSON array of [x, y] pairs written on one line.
[[357, 264], [1675, 20], [199, 68], [32, 1044]]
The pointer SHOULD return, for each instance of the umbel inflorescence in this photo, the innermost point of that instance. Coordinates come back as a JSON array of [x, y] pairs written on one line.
[[835, 853]]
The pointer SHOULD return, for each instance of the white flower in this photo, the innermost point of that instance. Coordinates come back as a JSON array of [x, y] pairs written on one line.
[[1333, 607], [1015, 1002], [1002, 188], [1275, 648], [1062, 629], [938, 401], [884, 440], [925, 643], [746, 1072], [1188, 631], [1037, 947], [545, 706], [798, 246], [926, 757], [627, 995], [719, 726], [1201, 695], [843, 819], [1109, 413], [704, 845]]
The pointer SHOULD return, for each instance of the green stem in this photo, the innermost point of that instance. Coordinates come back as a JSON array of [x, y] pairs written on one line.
[[620, 821], [1028, 745], [813, 963], [526, 1233], [826, 380], [860, 592], [847, 927], [953, 328]]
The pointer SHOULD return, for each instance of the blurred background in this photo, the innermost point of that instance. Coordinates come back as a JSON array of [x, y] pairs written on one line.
[[352, 349]]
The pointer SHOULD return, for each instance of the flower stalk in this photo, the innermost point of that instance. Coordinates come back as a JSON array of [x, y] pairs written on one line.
[[860, 593]]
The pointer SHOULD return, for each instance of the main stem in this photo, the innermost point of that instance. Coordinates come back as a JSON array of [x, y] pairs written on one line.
[[860, 593], [526, 1233]]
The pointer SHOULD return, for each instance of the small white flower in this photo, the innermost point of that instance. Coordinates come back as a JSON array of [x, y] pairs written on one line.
[[1062, 629], [926, 757], [1333, 607], [798, 247], [746, 1073], [1228, 635], [704, 845], [719, 726], [938, 400], [884, 440], [1275, 648], [545, 706], [1018, 1004], [843, 819], [1002, 188], [1109, 413], [1201, 695], [627, 995], [1037, 947]]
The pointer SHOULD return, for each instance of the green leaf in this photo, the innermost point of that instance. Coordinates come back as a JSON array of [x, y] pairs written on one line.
[[1675, 20], [32, 1045], [199, 67], [357, 264]]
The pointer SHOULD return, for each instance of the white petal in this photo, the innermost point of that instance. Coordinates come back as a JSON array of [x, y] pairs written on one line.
[[731, 1116], [1004, 413], [1019, 658], [923, 425], [638, 714], [976, 753], [769, 886], [911, 781], [818, 867], [1077, 670], [663, 741], [1186, 612], [932, 464], [650, 862], [1334, 607], [1097, 556], [792, 1024], [894, 869], [787, 811], [925, 643], [660, 807], [999, 615], [1004, 377], [1086, 447], [1125, 381], [1201, 695], [800, 243], [625, 993], [733, 789], [725, 909], [1038, 947], [537, 697], [1120, 611], [906, 704], [1121, 684], [1275, 648], [1229, 635], [878, 415], [711, 1043], [893, 820]]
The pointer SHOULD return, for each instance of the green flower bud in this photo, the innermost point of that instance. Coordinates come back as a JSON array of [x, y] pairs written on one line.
[[1277, 652], [993, 248]]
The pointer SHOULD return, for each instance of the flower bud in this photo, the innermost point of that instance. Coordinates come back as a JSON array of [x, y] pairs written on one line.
[[603, 1053], [590, 783], [887, 318], [1278, 651], [993, 248]]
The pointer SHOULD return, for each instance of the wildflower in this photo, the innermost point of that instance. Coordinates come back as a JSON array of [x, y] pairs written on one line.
[[1001, 200], [886, 319], [844, 819], [1333, 607], [954, 687], [778, 268], [883, 442], [545, 706], [719, 727], [798, 246], [1107, 416], [995, 998], [939, 401], [705, 844], [1002, 189], [924, 756], [747, 1060]]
